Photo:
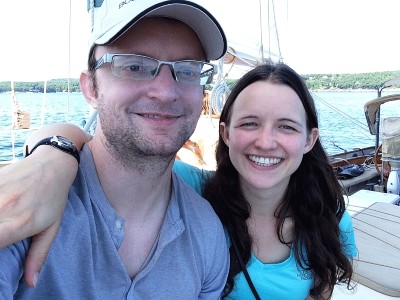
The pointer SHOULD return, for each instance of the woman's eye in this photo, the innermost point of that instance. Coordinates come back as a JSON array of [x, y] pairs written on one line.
[[287, 127], [248, 124]]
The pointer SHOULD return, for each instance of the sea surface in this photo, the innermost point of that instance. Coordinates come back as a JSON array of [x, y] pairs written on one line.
[[341, 115]]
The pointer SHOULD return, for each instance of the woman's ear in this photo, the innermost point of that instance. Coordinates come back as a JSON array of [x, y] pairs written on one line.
[[311, 139], [224, 132], [88, 89]]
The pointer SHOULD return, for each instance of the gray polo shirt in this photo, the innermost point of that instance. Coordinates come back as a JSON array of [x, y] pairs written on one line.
[[189, 261]]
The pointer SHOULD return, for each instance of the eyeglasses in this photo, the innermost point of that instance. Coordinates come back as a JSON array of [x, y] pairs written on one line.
[[139, 67]]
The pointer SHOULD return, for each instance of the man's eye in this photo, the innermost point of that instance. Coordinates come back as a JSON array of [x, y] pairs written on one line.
[[129, 70], [187, 73], [134, 68]]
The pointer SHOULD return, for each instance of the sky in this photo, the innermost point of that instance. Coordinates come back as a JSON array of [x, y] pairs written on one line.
[[315, 36]]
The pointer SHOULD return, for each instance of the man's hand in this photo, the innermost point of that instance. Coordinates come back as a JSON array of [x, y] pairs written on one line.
[[33, 194]]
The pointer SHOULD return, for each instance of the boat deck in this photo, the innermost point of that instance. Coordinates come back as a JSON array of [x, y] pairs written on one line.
[[367, 180], [356, 203]]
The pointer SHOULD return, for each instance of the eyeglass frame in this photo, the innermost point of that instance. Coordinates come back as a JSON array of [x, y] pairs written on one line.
[[108, 58]]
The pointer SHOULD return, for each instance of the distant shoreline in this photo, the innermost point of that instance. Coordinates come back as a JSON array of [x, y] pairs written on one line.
[[312, 90], [354, 90]]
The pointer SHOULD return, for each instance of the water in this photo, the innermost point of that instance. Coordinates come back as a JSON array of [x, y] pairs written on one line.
[[343, 126], [52, 109], [341, 115]]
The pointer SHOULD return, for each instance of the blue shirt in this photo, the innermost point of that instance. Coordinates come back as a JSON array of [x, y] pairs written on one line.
[[284, 280]]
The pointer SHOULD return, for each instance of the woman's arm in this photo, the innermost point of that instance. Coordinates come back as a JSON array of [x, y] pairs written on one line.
[[33, 194]]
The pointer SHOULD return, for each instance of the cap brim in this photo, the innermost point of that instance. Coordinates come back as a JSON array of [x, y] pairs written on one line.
[[207, 28]]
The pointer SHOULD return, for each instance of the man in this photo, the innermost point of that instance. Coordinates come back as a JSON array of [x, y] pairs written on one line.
[[132, 229]]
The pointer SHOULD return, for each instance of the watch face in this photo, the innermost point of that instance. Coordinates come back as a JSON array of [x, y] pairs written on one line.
[[63, 142]]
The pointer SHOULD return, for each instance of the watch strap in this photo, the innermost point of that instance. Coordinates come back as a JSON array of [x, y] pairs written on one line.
[[54, 141]]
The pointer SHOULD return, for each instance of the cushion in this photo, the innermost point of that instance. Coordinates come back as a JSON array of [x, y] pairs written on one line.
[[377, 235]]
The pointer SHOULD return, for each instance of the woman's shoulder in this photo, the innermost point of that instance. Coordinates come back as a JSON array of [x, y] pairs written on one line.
[[192, 175], [347, 235], [345, 221]]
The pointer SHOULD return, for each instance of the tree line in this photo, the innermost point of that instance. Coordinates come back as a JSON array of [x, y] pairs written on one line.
[[53, 86], [359, 81], [362, 81]]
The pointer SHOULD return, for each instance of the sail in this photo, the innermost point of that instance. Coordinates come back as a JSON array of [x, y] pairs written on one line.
[[253, 32]]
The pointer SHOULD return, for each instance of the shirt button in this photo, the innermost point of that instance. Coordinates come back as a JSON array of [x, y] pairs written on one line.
[[118, 224]]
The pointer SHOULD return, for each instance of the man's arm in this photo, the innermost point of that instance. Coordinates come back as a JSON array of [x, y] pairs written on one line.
[[33, 194], [218, 262]]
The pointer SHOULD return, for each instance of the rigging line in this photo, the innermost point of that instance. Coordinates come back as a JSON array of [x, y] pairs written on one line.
[[341, 112], [363, 129], [42, 112], [337, 146], [15, 108], [69, 59], [91, 15], [261, 30], [276, 30]]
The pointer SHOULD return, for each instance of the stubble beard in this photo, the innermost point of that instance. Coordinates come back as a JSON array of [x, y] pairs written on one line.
[[133, 149]]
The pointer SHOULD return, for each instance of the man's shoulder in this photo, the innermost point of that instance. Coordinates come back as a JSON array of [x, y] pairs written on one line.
[[199, 218], [187, 195], [191, 204]]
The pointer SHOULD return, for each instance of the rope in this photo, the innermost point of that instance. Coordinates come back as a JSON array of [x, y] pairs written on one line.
[[363, 127], [69, 59], [261, 31], [276, 31], [219, 91], [218, 98], [90, 125], [15, 109], [91, 14]]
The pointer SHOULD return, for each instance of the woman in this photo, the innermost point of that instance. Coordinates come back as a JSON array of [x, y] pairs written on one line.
[[274, 189], [275, 192]]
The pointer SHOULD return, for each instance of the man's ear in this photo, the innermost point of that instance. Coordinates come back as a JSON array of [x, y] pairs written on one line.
[[223, 129], [88, 89], [311, 139]]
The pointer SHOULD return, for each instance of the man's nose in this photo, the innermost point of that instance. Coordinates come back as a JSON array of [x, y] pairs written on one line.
[[163, 85]]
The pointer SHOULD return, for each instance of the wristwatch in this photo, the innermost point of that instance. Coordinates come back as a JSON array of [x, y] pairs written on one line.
[[58, 142]]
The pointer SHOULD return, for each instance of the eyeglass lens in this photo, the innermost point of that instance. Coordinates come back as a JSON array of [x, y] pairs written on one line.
[[138, 67]]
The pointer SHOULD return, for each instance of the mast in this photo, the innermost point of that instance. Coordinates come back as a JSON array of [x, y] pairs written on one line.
[[43, 103], [14, 118], [69, 59]]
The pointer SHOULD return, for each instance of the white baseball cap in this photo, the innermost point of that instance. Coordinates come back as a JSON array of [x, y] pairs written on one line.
[[114, 17]]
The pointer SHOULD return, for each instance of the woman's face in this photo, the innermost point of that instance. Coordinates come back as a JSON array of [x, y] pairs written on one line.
[[267, 135]]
